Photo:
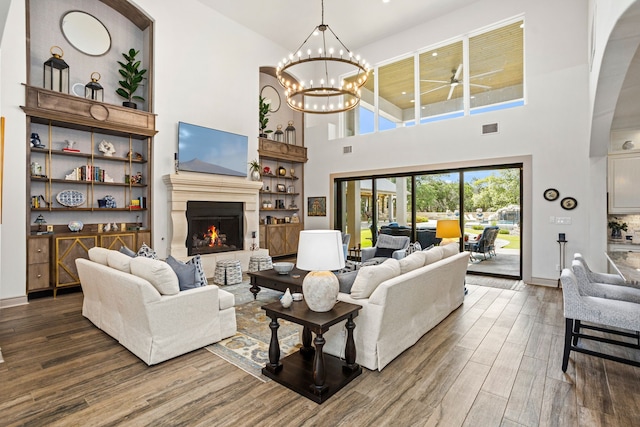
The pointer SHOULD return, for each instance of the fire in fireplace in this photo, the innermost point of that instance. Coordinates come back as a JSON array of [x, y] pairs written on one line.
[[214, 227]]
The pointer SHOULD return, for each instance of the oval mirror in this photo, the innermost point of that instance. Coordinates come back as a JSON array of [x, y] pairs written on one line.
[[86, 33]]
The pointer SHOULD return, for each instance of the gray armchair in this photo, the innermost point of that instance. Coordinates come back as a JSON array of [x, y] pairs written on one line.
[[387, 246]]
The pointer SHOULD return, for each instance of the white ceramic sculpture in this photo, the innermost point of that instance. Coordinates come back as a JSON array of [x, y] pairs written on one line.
[[286, 300]]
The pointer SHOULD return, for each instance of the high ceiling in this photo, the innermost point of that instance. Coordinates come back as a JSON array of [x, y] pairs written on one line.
[[357, 22], [288, 22]]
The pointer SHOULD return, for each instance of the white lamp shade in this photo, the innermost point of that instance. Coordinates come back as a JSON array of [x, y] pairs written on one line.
[[320, 250]]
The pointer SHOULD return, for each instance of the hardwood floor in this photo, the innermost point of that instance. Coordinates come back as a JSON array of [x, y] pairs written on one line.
[[493, 362]]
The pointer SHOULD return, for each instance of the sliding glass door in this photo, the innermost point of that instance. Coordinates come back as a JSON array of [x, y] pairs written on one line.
[[486, 201]]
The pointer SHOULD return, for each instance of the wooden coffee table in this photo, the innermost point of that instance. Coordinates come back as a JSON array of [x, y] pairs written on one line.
[[309, 372], [270, 279]]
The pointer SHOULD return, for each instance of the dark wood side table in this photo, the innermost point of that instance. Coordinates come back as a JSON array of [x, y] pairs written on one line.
[[270, 279], [309, 372]]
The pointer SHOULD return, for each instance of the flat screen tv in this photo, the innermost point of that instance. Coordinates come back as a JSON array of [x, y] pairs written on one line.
[[206, 150]]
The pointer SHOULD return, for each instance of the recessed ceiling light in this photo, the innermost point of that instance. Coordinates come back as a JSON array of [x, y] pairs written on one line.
[[434, 54], [386, 1], [404, 93], [413, 100]]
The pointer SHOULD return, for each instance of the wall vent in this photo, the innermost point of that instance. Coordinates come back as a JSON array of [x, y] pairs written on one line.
[[347, 149], [490, 128]]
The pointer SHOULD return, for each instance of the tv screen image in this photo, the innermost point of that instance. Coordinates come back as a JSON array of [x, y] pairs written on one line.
[[206, 150]]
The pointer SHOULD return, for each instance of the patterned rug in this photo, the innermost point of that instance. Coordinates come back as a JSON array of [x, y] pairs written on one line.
[[248, 349]]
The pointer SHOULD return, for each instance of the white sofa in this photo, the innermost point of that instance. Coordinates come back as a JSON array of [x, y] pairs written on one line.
[[138, 302], [402, 308]]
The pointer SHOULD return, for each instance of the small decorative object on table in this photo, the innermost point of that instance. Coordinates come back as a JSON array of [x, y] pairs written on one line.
[[35, 141], [75, 226], [69, 146], [283, 267], [278, 135], [254, 167], [290, 134], [282, 171], [286, 299]]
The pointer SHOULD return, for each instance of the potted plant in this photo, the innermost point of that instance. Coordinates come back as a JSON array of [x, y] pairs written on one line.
[[616, 228], [132, 77], [264, 120], [254, 166]]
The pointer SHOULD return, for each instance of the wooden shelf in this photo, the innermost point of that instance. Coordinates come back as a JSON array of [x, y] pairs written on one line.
[[85, 155], [74, 182], [88, 209], [280, 209], [279, 193], [293, 178]]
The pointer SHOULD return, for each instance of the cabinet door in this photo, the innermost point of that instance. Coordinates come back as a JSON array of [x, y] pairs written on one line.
[[262, 241], [276, 240], [292, 236], [67, 250], [143, 237], [116, 241], [624, 175], [38, 263]]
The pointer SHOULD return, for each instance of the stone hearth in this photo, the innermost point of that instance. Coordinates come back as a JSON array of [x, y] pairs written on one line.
[[185, 187]]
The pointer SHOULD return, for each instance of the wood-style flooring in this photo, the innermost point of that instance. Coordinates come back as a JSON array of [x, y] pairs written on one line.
[[493, 362]]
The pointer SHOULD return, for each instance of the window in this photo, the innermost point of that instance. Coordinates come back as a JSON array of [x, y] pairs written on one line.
[[449, 86]]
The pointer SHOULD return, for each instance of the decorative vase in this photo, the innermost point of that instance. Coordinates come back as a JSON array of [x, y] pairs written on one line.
[[130, 105], [320, 290], [616, 233], [75, 226], [255, 175], [286, 299]]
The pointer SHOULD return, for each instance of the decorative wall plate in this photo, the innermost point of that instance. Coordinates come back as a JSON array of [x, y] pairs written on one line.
[[568, 203], [551, 194], [71, 198]]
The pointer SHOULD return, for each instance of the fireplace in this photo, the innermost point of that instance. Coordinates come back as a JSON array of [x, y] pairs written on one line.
[[214, 227]]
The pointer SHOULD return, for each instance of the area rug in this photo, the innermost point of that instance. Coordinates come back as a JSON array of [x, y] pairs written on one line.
[[248, 349], [494, 282]]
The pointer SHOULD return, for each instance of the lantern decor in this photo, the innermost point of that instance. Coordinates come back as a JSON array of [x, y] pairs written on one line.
[[290, 134], [93, 90], [56, 72], [278, 135]]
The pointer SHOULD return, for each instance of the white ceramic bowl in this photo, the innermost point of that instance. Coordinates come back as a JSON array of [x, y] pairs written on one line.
[[283, 267], [297, 296]]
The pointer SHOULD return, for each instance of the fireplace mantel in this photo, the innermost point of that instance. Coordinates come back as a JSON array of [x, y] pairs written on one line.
[[185, 186]]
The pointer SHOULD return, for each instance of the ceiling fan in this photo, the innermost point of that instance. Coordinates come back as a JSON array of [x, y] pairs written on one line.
[[456, 80]]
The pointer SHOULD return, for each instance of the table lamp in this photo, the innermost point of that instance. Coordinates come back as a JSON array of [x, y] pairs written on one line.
[[40, 220], [448, 229], [319, 252]]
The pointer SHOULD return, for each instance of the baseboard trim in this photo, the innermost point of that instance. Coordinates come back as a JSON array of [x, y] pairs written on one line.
[[12, 302], [552, 283]]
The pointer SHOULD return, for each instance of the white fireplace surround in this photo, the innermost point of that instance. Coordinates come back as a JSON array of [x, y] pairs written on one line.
[[185, 187]]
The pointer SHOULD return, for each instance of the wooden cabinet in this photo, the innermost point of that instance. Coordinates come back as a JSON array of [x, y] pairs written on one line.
[[38, 263], [623, 180], [89, 164], [282, 239], [281, 197]]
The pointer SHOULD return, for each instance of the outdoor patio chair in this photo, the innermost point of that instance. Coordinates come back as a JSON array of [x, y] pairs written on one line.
[[387, 246], [485, 244], [602, 314]]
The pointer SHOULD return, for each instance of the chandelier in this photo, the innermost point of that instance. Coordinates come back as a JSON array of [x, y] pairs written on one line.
[[318, 64]]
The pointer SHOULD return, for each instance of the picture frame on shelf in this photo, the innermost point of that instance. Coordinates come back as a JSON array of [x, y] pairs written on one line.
[[317, 206], [281, 188]]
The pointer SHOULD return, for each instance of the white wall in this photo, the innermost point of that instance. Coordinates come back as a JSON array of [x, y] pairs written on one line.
[[206, 73], [552, 128]]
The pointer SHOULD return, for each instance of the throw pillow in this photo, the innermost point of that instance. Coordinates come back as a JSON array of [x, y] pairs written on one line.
[[119, 261], [187, 277], [370, 277], [201, 278], [125, 250], [99, 255], [345, 280], [412, 262], [384, 252], [434, 254], [413, 247], [156, 272], [450, 249], [391, 242], [146, 252]]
